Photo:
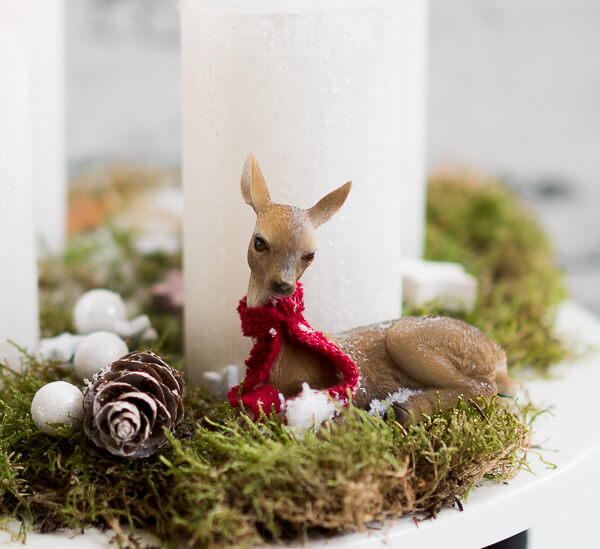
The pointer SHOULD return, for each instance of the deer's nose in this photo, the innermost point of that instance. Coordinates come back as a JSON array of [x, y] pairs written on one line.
[[282, 288]]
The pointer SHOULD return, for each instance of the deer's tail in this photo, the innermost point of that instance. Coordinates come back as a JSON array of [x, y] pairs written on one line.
[[506, 385]]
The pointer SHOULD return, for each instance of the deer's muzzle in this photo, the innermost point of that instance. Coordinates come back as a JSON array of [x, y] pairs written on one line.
[[284, 289]]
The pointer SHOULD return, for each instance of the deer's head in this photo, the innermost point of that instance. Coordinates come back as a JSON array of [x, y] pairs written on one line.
[[284, 241]]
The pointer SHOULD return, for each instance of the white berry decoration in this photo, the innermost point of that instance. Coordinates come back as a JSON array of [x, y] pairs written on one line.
[[58, 402], [97, 351], [98, 310]]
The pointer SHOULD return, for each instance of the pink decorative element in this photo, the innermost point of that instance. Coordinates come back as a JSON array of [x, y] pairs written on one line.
[[168, 294], [270, 325]]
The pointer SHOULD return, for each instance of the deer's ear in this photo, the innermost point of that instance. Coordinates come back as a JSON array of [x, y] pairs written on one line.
[[324, 209], [254, 186]]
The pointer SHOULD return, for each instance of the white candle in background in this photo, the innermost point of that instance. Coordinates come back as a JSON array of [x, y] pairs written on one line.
[[414, 36], [45, 38], [18, 274], [318, 91]]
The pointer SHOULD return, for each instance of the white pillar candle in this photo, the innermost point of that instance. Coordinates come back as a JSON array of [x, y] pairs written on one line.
[[18, 275], [415, 35], [317, 90], [45, 37]]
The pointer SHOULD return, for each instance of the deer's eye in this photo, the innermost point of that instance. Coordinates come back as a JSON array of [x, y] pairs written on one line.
[[259, 244], [308, 257]]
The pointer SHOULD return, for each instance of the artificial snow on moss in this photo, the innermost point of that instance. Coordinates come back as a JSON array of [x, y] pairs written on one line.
[[380, 407], [309, 409]]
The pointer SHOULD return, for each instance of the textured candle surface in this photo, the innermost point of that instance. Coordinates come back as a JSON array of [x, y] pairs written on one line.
[[18, 275], [45, 40], [414, 36], [318, 96]]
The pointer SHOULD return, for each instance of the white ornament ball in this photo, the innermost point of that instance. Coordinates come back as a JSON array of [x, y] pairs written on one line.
[[98, 310], [57, 402], [97, 351]]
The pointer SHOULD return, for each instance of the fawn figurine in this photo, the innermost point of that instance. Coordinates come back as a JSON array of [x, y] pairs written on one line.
[[411, 363]]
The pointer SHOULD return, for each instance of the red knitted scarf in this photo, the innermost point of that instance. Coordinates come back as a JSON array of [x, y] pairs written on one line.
[[270, 325]]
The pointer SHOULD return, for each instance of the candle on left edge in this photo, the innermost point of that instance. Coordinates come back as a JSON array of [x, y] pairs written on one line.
[[18, 273]]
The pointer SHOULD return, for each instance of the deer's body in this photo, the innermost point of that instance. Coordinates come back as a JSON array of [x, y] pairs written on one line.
[[436, 359]]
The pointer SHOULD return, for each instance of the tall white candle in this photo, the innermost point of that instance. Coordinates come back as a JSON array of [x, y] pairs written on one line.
[[415, 35], [45, 38], [18, 275], [316, 89]]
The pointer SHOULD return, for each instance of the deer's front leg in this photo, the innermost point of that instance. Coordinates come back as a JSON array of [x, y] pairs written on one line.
[[426, 403]]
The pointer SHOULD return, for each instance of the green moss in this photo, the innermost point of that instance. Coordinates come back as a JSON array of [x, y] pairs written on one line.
[[228, 481]]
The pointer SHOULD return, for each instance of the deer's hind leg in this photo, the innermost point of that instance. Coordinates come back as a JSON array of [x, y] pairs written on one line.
[[444, 353], [444, 356]]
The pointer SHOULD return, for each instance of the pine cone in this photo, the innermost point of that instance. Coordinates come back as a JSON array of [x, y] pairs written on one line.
[[128, 403]]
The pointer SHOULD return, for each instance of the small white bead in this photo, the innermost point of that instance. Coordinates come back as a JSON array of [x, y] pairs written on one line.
[[98, 310], [97, 351], [57, 402]]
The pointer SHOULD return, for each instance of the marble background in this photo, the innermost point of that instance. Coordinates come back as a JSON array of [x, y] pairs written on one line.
[[514, 93]]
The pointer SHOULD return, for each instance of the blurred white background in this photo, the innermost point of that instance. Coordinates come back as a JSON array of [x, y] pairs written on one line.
[[514, 92]]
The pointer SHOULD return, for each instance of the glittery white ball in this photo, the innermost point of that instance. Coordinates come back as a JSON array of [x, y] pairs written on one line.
[[98, 310], [97, 351], [57, 402]]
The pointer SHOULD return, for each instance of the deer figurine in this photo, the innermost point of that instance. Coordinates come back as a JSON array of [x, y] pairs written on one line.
[[411, 364]]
